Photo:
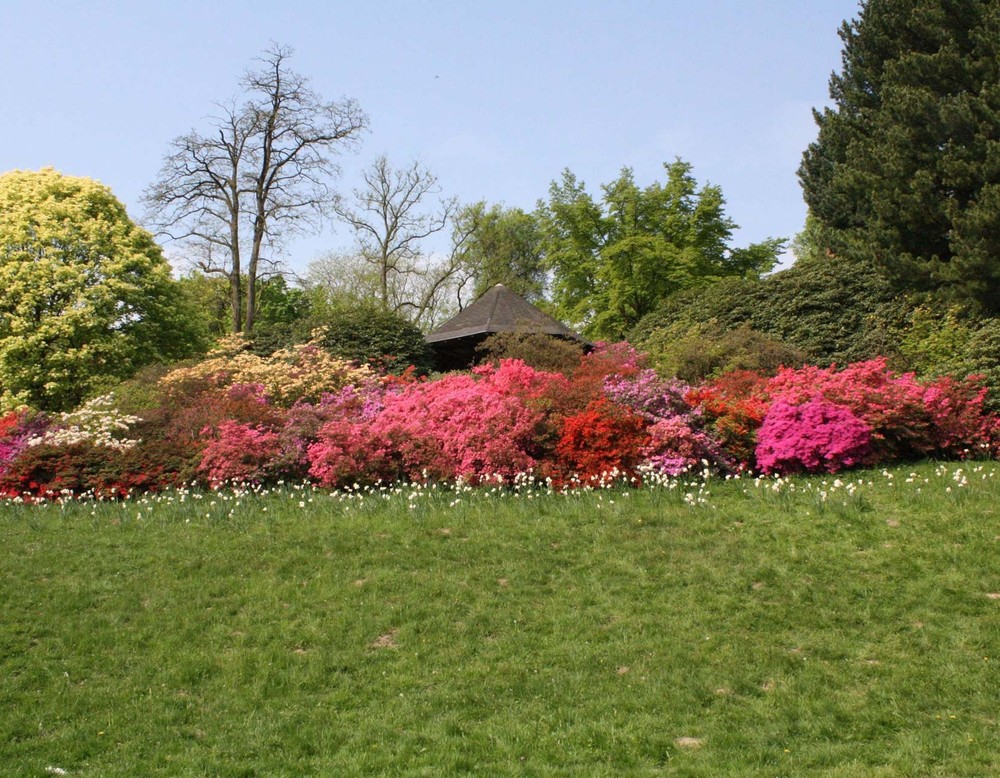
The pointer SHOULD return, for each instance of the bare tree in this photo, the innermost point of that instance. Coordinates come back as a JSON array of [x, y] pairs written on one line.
[[260, 175], [390, 218]]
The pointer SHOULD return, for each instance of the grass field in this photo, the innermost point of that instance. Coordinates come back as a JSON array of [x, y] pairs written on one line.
[[805, 627]]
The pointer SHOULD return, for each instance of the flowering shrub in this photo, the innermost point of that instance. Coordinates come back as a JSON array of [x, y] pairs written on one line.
[[907, 418], [677, 440], [586, 383], [16, 429], [232, 419], [734, 406], [601, 440], [350, 453], [676, 446], [305, 371], [648, 394], [815, 436], [96, 422], [240, 453]]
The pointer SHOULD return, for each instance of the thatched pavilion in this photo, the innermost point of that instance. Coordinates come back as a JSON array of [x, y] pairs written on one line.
[[499, 310]]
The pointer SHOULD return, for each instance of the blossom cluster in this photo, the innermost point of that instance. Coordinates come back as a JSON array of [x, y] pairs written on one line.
[[238, 418]]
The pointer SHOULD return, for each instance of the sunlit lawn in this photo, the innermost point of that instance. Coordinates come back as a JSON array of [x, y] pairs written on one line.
[[765, 631]]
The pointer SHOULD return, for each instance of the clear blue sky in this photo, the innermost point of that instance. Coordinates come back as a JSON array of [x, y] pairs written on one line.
[[496, 98]]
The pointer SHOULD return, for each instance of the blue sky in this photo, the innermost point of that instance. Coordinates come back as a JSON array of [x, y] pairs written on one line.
[[495, 98]]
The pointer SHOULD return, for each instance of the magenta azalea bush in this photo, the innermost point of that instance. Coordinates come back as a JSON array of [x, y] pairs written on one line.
[[609, 418], [813, 437]]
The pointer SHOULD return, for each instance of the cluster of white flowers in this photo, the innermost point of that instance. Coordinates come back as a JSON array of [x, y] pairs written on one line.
[[96, 422]]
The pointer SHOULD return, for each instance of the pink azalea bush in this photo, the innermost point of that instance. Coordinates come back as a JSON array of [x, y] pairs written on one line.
[[908, 418], [812, 437], [241, 453], [490, 423]]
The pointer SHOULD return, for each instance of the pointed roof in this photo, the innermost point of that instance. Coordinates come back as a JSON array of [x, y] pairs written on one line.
[[499, 310]]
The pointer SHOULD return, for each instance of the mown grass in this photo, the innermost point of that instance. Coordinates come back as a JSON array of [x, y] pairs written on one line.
[[763, 632]]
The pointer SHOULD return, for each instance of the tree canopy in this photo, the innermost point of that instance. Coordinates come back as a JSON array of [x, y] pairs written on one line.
[[86, 296], [614, 261], [905, 170]]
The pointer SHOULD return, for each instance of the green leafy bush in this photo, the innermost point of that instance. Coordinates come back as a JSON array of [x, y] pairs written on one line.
[[371, 335], [540, 351], [938, 343], [694, 352], [830, 309]]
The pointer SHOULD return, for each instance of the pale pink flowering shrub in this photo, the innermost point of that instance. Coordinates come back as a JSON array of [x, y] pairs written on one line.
[[814, 436]]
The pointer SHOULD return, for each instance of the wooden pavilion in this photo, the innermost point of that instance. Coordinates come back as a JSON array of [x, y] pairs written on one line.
[[498, 310]]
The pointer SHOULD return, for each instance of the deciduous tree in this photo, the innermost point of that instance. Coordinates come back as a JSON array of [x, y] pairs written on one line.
[[260, 174], [613, 261], [86, 297], [391, 215]]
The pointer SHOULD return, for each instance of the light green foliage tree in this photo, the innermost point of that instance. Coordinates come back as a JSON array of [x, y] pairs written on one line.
[[614, 261], [903, 173], [86, 297], [500, 246]]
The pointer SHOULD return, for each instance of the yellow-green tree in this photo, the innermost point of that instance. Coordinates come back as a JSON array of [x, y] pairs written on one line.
[[86, 296]]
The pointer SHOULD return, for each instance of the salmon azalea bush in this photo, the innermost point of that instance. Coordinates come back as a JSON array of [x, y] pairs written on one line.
[[237, 418]]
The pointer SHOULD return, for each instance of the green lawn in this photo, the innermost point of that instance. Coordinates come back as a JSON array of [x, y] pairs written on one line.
[[761, 630]]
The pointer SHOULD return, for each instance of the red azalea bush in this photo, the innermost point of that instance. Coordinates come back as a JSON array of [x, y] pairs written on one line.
[[601, 440], [816, 436]]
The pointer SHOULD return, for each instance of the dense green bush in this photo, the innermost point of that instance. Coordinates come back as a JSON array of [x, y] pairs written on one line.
[[372, 335], [540, 351], [693, 352], [832, 310], [950, 342]]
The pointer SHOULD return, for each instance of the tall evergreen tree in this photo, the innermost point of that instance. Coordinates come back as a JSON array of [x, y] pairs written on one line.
[[906, 167]]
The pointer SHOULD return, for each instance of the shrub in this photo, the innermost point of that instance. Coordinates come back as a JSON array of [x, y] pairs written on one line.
[[540, 351], [301, 372], [734, 405], [677, 439], [950, 342], [694, 352], [96, 422], [908, 419], [473, 426], [816, 436], [348, 453], [17, 428], [602, 441], [586, 384], [371, 335], [240, 453], [46, 471], [832, 309]]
